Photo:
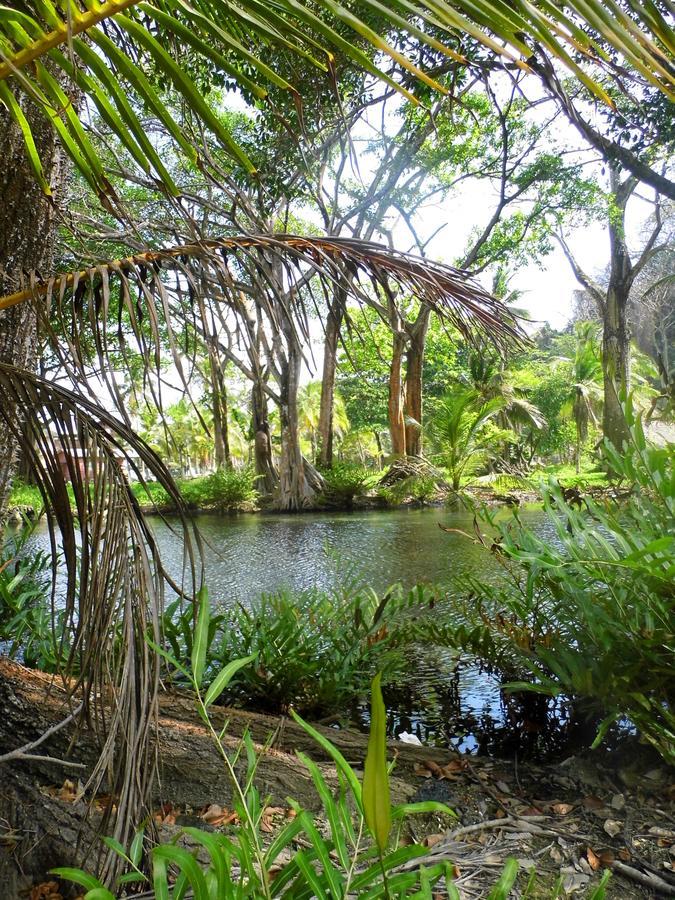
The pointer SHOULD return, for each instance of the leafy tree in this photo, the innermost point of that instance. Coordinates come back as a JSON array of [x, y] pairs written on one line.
[[461, 434], [585, 392]]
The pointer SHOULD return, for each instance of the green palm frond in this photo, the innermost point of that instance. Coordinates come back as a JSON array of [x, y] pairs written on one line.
[[104, 51]]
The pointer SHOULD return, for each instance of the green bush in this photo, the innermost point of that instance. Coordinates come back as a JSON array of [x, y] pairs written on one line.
[[315, 651], [591, 615], [25, 497], [26, 625], [224, 489], [150, 493], [344, 482]]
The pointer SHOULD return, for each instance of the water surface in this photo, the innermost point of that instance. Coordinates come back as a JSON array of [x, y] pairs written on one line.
[[443, 700]]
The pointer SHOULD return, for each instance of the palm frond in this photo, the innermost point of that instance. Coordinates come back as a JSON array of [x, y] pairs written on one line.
[[104, 50], [158, 294], [114, 577]]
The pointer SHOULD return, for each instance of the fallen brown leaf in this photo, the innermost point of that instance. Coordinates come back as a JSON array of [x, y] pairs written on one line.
[[46, 890], [612, 827], [562, 809], [432, 839], [593, 859], [421, 770]]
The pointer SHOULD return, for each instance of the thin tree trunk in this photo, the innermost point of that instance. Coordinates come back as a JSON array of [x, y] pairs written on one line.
[[333, 322], [397, 427], [221, 440], [615, 331], [295, 490], [413, 382], [262, 446], [27, 232]]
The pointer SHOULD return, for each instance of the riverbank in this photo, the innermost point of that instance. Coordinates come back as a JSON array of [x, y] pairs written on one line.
[[568, 821], [236, 494]]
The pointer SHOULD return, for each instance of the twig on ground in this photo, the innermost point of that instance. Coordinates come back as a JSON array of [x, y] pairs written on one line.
[[23, 753]]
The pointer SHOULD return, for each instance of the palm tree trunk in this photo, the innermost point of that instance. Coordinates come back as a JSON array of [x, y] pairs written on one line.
[[413, 382], [27, 232], [333, 322], [396, 399]]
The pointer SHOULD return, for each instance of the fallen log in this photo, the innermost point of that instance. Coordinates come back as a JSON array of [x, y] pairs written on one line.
[[39, 830]]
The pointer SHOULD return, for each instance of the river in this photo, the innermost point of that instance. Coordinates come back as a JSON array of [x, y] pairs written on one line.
[[443, 700]]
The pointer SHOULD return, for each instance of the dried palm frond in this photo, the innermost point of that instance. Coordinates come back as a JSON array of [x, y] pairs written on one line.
[[114, 578], [159, 292]]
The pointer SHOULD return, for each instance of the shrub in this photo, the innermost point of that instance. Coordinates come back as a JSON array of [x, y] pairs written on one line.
[[343, 482], [150, 493], [25, 497], [315, 651], [591, 615], [224, 489], [26, 625]]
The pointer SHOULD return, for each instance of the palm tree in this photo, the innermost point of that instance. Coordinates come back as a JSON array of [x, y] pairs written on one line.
[[101, 46], [52, 63], [309, 414], [586, 388], [460, 434]]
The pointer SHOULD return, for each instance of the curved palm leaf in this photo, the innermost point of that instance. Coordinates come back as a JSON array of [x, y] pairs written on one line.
[[91, 40], [160, 292], [114, 578]]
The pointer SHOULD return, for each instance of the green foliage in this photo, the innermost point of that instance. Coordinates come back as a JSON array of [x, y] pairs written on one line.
[[590, 616], [26, 624], [25, 497], [421, 488], [462, 434], [315, 651], [150, 493], [224, 489], [343, 482]]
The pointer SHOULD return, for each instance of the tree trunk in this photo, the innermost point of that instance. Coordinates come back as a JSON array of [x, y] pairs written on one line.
[[413, 382], [221, 442], [27, 231], [262, 447], [333, 322], [295, 490], [397, 427], [615, 332]]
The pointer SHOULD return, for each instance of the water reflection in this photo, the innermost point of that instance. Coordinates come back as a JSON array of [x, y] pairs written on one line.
[[443, 700]]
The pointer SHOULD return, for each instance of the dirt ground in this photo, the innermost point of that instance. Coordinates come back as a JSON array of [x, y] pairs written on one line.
[[570, 820]]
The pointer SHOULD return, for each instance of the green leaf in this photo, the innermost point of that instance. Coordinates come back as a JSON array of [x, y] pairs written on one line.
[[201, 638], [223, 678], [502, 890], [167, 656], [376, 798], [424, 806], [335, 755], [84, 879], [188, 865], [15, 111]]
